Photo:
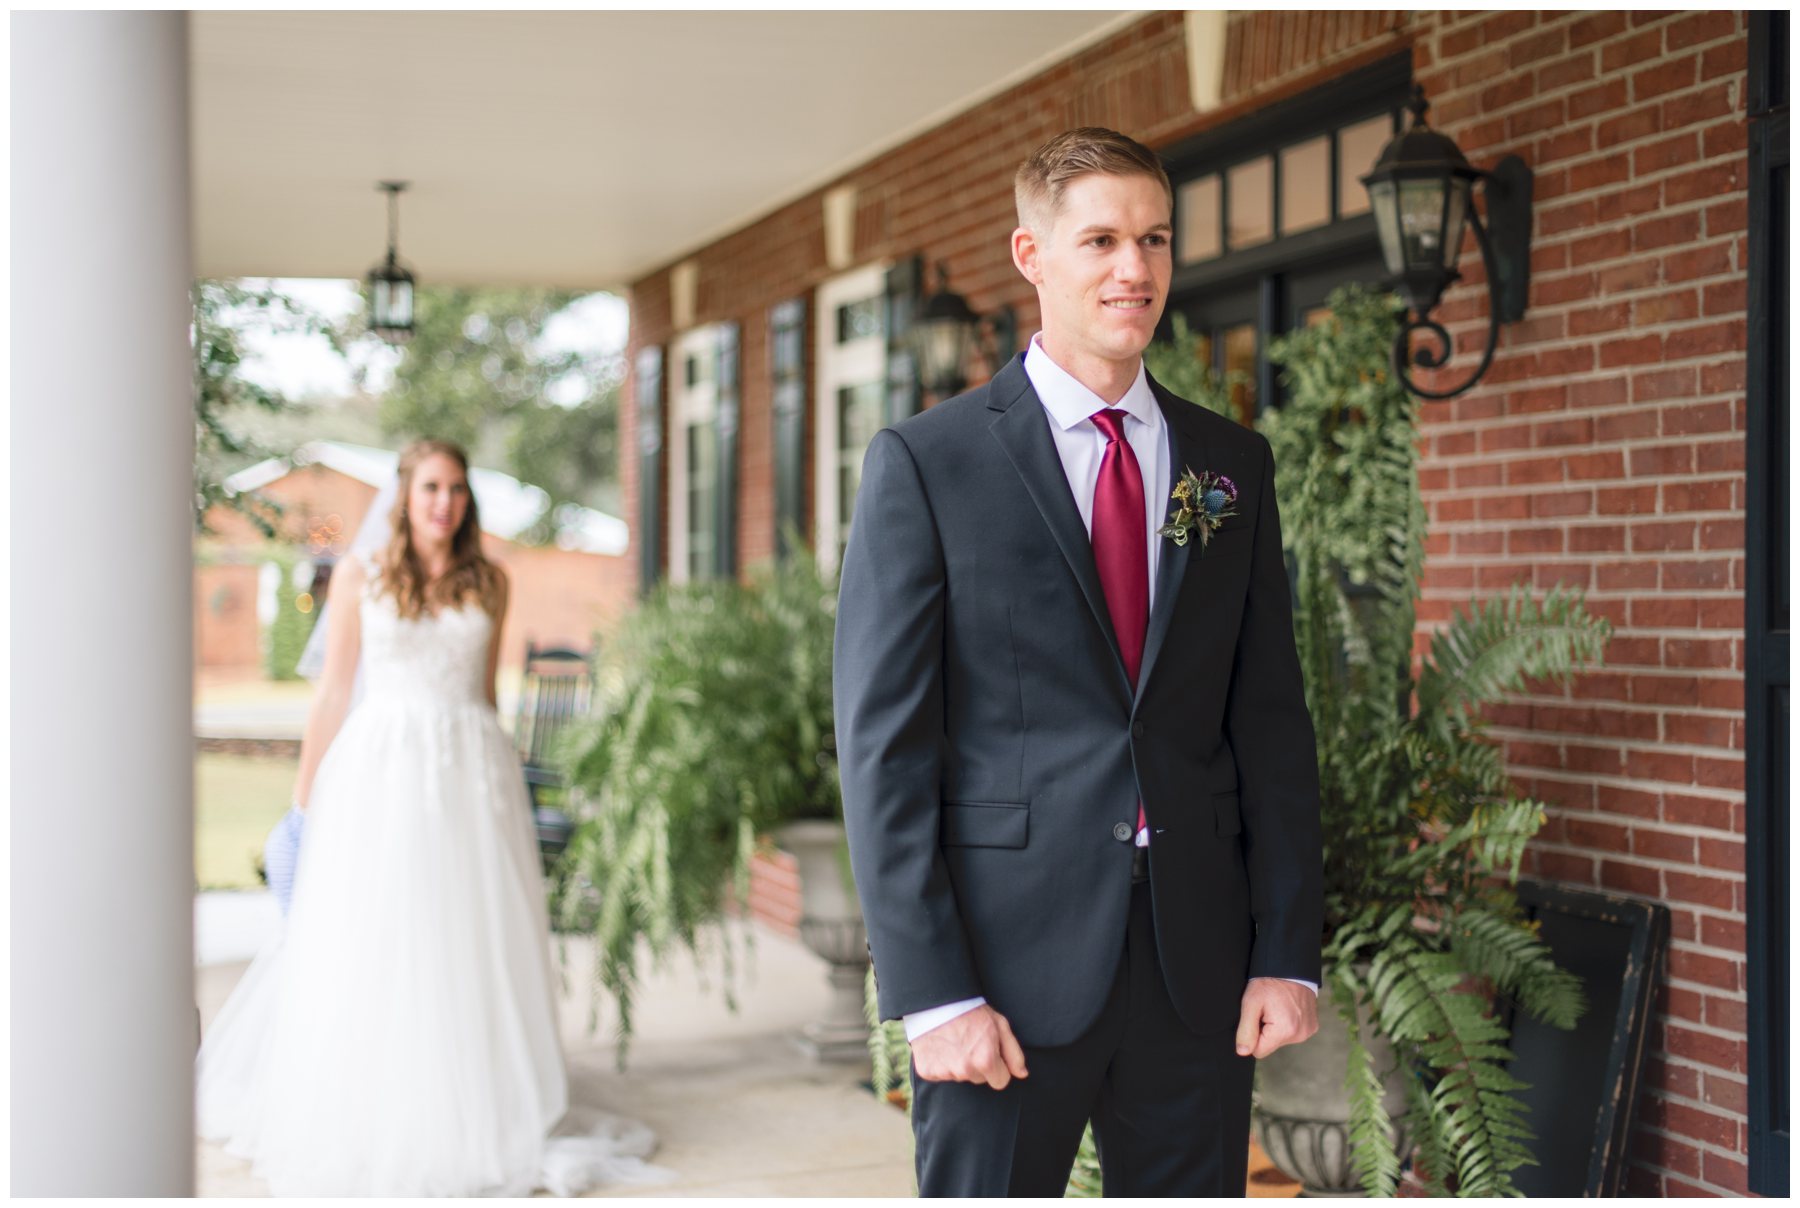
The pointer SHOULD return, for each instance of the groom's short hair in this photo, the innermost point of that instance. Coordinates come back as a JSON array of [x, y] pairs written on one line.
[[1038, 186]]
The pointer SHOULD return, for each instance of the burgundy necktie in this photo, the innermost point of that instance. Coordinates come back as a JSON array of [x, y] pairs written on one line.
[[1121, 551]]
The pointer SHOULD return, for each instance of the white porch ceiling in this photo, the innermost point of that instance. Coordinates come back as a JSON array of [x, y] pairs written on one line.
[[578, 149]]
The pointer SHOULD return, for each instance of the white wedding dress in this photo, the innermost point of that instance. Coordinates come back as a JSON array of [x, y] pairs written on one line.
[[400, 1036]]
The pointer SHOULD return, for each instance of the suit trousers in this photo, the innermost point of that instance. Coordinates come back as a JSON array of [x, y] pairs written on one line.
[[1170, 1108]]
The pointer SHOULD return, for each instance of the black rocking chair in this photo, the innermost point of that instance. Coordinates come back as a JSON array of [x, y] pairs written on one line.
[[556, 688]]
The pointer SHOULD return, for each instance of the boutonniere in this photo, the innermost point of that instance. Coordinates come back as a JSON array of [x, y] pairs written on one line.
[[1202, 503]]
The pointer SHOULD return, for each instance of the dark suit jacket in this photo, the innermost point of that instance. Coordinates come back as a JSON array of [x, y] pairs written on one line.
[[993, 754]]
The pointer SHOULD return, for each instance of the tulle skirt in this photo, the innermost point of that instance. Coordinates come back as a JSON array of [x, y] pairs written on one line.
[[400, 1036]]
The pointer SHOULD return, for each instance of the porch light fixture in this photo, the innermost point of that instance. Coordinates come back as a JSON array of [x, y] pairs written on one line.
[[1421, 192], [946, 330], [390, 286]]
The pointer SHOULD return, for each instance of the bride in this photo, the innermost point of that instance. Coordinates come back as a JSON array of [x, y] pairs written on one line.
[[400, 1038]]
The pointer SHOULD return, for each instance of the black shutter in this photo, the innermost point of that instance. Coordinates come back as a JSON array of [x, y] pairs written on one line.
[[650, 442], [905, 282], [1766, 609], [726, 425], [787, 358]]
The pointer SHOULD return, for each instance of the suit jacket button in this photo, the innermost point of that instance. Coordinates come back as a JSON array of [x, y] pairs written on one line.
[[1137, 729], [1121, 831]]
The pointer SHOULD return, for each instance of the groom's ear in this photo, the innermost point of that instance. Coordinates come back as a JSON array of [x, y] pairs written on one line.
[[1025, 254]]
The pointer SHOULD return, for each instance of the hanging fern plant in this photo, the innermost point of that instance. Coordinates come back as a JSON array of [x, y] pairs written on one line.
[[1424, 830], [711, 726]]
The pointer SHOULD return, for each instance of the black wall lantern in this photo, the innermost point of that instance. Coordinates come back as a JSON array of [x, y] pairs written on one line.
[[946, 330], [390, 286], [1422, 192]]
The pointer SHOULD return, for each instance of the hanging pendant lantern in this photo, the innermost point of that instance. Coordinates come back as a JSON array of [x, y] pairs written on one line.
[[390, 285]]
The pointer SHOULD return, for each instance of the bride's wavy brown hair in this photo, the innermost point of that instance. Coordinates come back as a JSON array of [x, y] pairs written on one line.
[[470, 576]]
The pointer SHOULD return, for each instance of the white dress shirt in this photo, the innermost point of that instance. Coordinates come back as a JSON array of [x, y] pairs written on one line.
[[1070, 406]]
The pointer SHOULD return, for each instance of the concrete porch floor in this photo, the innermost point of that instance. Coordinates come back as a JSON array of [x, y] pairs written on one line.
[[737, 1108]]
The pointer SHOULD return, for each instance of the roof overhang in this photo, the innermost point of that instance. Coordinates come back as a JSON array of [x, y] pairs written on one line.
[[573, 149]]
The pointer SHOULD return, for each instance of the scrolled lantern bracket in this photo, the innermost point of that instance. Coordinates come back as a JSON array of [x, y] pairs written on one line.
[[1422, 156]]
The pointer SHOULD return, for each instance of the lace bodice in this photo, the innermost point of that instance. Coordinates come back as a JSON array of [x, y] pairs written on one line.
[[432, 659]]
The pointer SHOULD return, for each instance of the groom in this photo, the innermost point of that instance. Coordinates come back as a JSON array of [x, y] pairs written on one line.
[[1077, 764]]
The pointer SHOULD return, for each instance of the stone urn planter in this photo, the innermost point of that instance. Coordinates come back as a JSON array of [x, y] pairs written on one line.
[[1302, 1111], [831, 926]]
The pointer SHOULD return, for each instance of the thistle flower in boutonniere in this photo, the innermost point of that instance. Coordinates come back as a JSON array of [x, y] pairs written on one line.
[[1202, 503]]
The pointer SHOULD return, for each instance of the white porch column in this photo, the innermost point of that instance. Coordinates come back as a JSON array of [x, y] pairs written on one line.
[[103, 1018]]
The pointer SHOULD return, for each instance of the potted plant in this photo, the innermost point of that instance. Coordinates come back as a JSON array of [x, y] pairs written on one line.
[[711, 727], [1423, 828]]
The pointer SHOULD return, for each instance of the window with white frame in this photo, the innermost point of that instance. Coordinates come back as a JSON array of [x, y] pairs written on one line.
[[850, 400], [693, 392]]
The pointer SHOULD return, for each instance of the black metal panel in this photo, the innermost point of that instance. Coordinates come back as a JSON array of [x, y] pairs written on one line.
[[787, 360], [649, 393], [725, 499], [1766, 607], [1268, 322], [1351, 236], [905, 286], [1583, 1084]]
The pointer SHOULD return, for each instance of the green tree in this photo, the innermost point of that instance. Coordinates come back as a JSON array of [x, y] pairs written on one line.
[[478, 371], [573, 452], [225, 312]]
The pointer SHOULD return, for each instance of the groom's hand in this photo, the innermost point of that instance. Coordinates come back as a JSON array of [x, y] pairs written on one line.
[[1275, 1012], [976, 1046]]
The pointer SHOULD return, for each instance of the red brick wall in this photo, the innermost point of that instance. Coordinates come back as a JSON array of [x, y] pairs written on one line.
[[1605, 448], [226, 632], [559, 597]]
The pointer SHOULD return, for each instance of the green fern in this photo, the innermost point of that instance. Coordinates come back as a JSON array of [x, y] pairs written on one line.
[[712, 725], [1501, 644], [1424, 829], [890, 1058], [1085, 1182], [1515, 961], [1373, 1155], [1424, 1007]]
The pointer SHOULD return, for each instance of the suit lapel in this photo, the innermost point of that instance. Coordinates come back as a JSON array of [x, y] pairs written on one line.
[[1023, 431], [1186, 449]]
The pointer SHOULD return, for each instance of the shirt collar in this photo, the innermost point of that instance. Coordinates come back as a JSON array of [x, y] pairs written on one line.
[[1070, 403]]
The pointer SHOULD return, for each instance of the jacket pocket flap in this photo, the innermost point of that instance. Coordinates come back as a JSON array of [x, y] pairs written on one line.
[[1225, 813], [984, 824]]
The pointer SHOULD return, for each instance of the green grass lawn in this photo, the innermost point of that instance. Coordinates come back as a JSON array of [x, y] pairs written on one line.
[[237, 800]]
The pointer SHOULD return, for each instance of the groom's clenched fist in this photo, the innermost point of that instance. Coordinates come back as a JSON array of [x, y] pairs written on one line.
[[976, 1046], [1275, 1012]]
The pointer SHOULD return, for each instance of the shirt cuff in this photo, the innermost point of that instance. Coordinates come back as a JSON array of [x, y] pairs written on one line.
[[920, 1022], [1301, 981]]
